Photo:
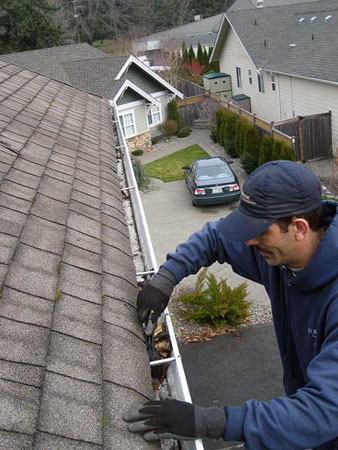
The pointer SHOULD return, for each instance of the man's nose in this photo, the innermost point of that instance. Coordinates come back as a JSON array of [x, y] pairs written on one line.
[[253, 241]]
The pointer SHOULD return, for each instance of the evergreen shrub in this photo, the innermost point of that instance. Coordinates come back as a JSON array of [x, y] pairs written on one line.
[[266, 150], [215, 302], [137, 152], [173, 113], [184, 132], [168, 128]]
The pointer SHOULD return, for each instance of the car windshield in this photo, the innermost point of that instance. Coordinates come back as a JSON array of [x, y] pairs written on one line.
[[208, 173]]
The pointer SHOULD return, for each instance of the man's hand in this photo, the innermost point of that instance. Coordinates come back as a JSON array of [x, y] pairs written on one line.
[[154, 297], [172, 419]]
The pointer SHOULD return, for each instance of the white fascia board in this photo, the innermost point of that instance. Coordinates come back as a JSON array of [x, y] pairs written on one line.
[[303, 77], [217, 37], [130, 105], [129, 84], [159, 94], [145, 68]]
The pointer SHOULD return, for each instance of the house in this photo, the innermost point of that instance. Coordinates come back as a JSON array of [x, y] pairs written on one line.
[[140, 95], [285, 58], [252, 4], [72, 354], [203, 31]]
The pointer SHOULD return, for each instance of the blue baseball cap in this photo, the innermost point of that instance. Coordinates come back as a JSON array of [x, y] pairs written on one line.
[[274, 190]]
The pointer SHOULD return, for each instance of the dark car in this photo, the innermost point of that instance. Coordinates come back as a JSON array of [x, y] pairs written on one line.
[[211, 181]]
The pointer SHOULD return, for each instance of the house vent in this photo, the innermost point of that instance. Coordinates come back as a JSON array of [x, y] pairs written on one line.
[[198, 17], [301, 20], [293, 45], [259, 3], [313, 19], [327, 18]]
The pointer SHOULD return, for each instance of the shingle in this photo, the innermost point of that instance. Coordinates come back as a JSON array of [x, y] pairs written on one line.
[[42, 140], [20, 128], [7, 248], [88, 167], [71, 408], [19, 177], [85, 210], [10, 143], [84, 225], [121, 314], [55, 189], [83, 241], [117, 402], [62, 159], [115, 224], [26, 308], [15, 441], [125, 360], [65, 151], [119, 288], [124, 269], [80, 283], [18, 190], [23, 343], [3, 273], [34, 272], [78, 318], [21, 373], [50, 442], [35, 153], [116, 239], [57, 175], [81, 258], [88, 189], [17, 204], [44, 235], [61, 168], [86, 199], [11, 222], [49, 209], [19, 407], [69, 143]]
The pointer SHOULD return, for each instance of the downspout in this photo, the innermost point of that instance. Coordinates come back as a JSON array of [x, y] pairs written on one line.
[[146, 265]]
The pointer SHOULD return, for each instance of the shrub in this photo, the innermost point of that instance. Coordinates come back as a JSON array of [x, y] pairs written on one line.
[[248, 162], [213, 134], [155, 140], [168, 128], [184, 132], [230, 135], [251, 141], [216, 303], [141, 176], [276, 150], [240, 137], [173, 113], [137, 152], [282, 151], [266, 150]]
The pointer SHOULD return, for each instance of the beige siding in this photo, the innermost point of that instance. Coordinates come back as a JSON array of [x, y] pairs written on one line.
[[139, 115], [293, 96]]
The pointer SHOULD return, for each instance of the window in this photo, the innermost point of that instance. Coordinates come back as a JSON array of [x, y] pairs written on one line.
[[127, 122], [260, 82], [154, 115], [250, 76], [239, 77], [273, 82]]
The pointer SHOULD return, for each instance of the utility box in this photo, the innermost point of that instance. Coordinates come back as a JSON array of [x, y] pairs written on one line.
[[243, 101], [219, 83]]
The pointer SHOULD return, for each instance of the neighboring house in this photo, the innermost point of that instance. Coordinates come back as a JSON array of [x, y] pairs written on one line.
[[140, 95], [72, 354], [251, 4], [203, 31], [285, 58]]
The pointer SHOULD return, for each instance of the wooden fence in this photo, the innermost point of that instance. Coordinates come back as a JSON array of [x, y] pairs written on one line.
[[205, 107], [313, 135], [189, 88]]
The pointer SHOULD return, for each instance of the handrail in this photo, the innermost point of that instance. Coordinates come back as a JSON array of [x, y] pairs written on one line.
[[175, 375]]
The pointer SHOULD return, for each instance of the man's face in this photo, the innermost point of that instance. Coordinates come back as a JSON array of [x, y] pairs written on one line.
[[276, 246]]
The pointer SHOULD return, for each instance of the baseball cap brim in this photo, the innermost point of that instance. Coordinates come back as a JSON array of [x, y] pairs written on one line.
[[241, 227]]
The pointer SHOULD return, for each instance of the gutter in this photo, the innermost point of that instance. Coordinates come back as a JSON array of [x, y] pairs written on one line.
[[147, 265], [303, 77]]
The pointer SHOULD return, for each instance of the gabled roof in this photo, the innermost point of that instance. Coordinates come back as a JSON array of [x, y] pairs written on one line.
[[72, 354], [203, 31], [252, 4], [48, 61], [276, 41]]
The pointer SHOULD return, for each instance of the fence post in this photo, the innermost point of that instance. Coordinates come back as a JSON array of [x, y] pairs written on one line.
[[300, 137]]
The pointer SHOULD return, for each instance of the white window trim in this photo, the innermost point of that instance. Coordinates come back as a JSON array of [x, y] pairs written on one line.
[[250, 76], [238, 77], [149, 109], [260, 82], [125, 113]]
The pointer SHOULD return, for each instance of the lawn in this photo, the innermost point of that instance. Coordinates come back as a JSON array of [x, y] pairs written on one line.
[[169, 168]]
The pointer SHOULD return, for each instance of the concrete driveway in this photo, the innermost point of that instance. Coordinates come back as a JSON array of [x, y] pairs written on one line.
[[172, 218]]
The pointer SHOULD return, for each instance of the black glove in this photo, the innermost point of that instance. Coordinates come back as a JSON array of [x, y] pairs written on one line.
[[154, 297], [172, 419]]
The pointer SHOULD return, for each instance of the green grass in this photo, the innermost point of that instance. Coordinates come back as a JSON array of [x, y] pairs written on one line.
[[169, 168]]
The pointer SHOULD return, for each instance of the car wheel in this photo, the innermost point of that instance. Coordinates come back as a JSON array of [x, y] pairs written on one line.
[[193, 202]]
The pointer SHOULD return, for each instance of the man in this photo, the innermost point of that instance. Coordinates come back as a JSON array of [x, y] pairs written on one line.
[[283, 236]]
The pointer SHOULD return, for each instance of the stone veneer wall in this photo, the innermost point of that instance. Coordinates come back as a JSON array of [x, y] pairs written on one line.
[[141, 141]]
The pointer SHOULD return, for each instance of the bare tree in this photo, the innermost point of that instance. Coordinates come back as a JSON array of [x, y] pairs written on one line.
[[179, 10]]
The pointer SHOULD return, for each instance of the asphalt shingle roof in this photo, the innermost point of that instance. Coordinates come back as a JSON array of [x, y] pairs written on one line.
[[267, 33], [72, 354], [252, 4], [48, 61]]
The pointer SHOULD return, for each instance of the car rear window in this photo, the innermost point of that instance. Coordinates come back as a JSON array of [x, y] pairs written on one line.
[[209, 173]]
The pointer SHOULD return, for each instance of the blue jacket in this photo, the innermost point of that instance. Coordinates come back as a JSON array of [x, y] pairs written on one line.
[[305, 315]]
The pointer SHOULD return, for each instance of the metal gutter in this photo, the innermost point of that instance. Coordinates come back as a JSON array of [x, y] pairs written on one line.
[[176, 378]]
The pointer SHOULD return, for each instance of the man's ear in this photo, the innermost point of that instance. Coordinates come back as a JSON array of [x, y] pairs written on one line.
[[301, 227]]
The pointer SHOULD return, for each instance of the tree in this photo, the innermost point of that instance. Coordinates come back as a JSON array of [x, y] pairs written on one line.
[[191, 53], [195, 69], [200, 54], [28, 25]]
